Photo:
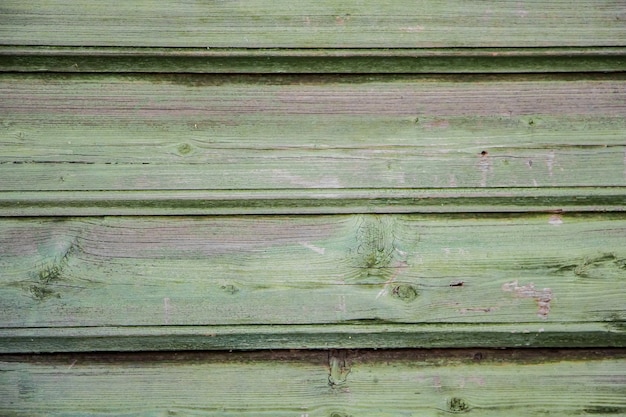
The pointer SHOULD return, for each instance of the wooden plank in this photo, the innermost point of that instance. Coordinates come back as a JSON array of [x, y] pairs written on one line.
[[435, 271], [317, 383], [312, 61], [320, 24], [346, 201], [153, 132]]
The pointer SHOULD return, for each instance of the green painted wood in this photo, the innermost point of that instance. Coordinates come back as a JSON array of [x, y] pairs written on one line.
[[315, 201], [184, 132], [439, 271], [354, 335], [518, 180], [311, 61], [320, 24], [317, 383]]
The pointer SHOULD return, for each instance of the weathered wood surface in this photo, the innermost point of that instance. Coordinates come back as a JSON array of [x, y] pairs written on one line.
[[299, 180], [314, 383], [315, 201], [312, 61], [181, 132], [343, 336], [446, 276], [319, 24]]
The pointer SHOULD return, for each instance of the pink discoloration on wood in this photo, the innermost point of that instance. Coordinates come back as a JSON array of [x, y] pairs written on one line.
[[542, 297], [555, 220], [437, 124]]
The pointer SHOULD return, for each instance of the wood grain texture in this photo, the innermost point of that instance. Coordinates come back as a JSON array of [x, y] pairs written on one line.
[[314, 201], [436, 271], [183, 179], [312, 61], [183, 132], [320, 24], [315, 383], [354, 335]]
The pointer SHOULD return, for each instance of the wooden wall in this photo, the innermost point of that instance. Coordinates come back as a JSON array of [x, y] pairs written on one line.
[[326, 209]]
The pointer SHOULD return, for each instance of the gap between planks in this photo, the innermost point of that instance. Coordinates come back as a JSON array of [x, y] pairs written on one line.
[[311, 201], [311, 337], [335, 383], [311, 61]]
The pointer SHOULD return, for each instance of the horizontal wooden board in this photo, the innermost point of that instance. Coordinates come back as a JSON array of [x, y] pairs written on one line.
[[312, 61], [184, 132], [320, 24], [437, 272], [317, 383]]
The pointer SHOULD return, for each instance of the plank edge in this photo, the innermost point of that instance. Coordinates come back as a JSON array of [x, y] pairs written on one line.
[[360, 336]]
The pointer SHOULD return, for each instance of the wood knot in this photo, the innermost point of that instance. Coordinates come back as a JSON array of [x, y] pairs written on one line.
[[458, 405], [405, 292], [48, 278], [375, 252], [184, 149]]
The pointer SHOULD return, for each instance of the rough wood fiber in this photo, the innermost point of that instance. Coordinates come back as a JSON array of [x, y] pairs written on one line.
[[311, 384], [102, 132], [319, 24], [440, 272]]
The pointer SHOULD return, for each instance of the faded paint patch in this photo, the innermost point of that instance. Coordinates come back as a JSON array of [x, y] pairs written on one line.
[[550, 163], [555, 220], [542, 297], [314, 248], [412, 29], [167, 310], [341, 306], [625, 164], [486, 167], [471, 380], [299, 181]]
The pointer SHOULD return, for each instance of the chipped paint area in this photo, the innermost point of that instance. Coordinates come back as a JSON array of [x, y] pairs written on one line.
[[542, 297]]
